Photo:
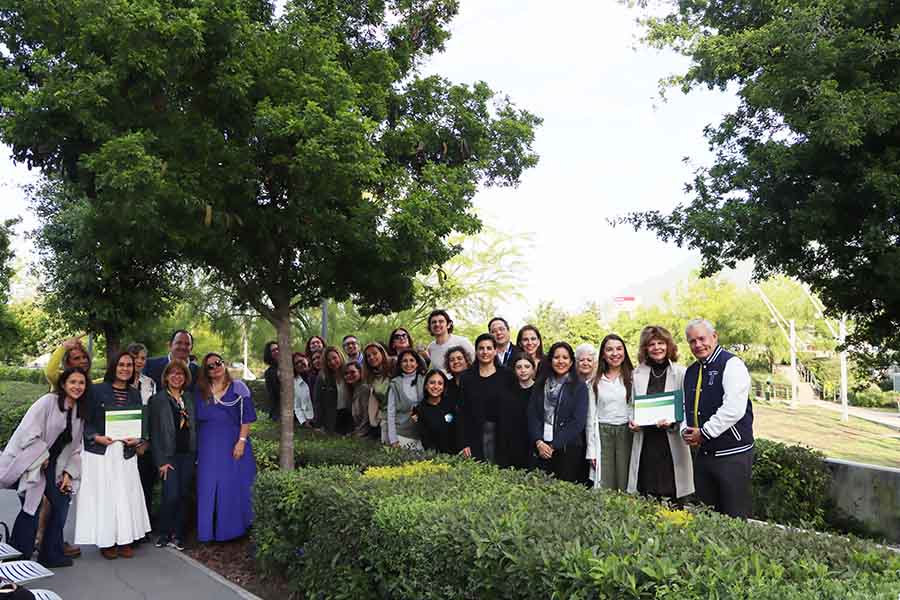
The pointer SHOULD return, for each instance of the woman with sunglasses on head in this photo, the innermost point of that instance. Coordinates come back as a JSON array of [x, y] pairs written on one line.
[[111, 511], [226, 469], [173, 435], [43, 458], [557, 414]]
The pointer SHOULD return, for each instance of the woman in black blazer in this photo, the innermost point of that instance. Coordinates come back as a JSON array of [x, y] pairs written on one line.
[[557, 415], [111, 512]]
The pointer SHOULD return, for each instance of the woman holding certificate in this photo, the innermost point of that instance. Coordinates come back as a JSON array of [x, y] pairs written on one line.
[[225, 466], [110, 511], [660, 460]]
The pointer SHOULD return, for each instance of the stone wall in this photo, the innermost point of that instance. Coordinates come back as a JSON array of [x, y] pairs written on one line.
[[869, 493]]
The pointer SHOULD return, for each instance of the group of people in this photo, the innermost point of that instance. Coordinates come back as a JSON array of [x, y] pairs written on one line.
[[566, 411], [194, 422]]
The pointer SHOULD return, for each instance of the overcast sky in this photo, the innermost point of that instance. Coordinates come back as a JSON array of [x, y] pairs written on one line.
[[608, 145]]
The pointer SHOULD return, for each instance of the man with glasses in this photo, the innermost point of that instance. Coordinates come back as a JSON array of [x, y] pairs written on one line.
[[351, 349], [499, 328]]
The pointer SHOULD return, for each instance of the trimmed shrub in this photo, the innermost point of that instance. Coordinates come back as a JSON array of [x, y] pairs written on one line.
[[461, 529], [790, 485]]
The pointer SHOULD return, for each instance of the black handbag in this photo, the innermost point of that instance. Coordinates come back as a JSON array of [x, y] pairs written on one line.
[[10, 591]]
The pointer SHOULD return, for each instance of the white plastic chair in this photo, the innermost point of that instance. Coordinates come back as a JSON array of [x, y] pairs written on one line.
[[23, 571], [45, 595], [7, 552]]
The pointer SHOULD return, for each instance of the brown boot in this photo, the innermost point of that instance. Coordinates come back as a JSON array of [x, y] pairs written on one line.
[[71, 551], [126, 551], [109, 553]]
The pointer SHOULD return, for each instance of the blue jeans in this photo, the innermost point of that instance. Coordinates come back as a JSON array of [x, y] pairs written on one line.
[[176, 489], [25, 528]]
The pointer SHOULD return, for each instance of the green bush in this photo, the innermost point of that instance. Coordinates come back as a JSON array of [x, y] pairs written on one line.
[[790, 485], [461, 529], [316, 450], [872, 398], [22, 374]]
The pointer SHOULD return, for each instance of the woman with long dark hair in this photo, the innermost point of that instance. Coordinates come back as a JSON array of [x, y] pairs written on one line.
[[404, 395], [436, 415], [557, 415], [609, 413], [43, 458], [376, 374], [530, 342], [484, 388], [226, 469], [111, 511]]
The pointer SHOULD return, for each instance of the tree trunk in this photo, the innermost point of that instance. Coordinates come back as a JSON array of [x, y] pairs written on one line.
[[113, 339], [286, 379]]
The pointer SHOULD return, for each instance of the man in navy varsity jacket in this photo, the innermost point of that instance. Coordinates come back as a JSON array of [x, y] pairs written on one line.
[[718, 422]]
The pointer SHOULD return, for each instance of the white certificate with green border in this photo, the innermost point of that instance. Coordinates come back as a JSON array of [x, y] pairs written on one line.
[[124, 424], [651, 409]]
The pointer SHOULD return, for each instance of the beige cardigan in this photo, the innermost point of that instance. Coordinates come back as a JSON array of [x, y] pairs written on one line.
[[681, 453]]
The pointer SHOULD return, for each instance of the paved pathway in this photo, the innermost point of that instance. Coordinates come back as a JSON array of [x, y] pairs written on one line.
[[153, 574]]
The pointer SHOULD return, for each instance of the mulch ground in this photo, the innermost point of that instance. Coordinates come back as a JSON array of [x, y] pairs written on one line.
[[234, 561]]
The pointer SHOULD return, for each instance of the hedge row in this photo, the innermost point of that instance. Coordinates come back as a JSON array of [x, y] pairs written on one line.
[[460, 529]]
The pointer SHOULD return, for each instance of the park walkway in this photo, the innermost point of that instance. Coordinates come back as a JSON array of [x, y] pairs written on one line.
[[153, 573]]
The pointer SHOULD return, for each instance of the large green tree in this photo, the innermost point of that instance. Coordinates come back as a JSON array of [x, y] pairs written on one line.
[[805, 178], [297, 157], [99, 273], [10, 332]]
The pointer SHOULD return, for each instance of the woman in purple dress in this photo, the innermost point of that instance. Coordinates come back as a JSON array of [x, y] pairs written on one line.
[[226, 469]]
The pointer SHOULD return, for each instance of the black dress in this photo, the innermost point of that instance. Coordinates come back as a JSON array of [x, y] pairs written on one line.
[[513, 447], [656, 473]]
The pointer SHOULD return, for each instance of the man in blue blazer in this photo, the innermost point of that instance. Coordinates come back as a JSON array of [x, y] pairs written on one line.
[[180, 345]]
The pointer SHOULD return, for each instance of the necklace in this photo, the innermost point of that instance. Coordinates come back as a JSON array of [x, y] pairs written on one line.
[[660, 374]]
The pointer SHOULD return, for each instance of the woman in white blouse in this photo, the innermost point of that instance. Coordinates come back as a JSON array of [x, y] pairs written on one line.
[[609, 410]]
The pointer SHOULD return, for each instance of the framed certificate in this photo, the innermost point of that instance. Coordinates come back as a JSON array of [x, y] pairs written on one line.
[[652, 408], [123, 424]]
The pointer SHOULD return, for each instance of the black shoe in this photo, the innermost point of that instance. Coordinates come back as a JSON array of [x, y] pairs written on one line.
[[161, 542], [177, 544], [63, 562]]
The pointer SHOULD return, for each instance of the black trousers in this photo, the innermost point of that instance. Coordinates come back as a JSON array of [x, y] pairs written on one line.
[[149, 476], [723, 482], [567, 464]]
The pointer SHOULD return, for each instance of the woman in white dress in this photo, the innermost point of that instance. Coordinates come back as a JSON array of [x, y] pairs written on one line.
[[110, 511]]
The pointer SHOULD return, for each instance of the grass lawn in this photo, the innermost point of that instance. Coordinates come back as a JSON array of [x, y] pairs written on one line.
[[18, 392], [857, 440]]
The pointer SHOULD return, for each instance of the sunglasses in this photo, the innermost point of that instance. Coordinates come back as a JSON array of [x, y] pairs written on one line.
[[214, 365]]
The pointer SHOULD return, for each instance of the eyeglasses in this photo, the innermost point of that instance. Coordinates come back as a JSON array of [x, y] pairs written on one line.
[[214, 365], [400, 336]]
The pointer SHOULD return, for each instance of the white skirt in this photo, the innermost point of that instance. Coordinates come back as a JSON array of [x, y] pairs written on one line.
[[110, 509]]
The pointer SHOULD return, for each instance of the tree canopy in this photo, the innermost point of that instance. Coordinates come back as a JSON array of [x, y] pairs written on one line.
[[806, 172], [296, 157]]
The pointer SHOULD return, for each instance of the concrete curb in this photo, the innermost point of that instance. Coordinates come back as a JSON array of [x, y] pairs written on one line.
[[213, 575]]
